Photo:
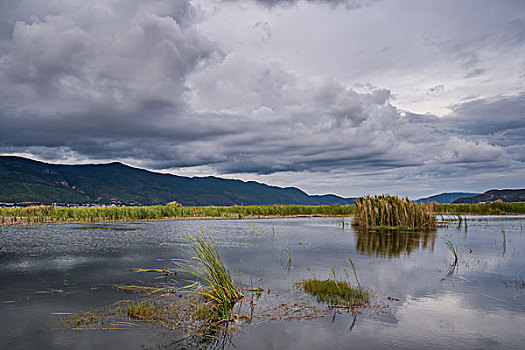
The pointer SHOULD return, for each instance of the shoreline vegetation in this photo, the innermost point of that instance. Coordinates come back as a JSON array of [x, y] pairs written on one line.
[[63, 215]]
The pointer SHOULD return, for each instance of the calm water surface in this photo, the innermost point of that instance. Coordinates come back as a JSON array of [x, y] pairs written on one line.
[[481, 304]]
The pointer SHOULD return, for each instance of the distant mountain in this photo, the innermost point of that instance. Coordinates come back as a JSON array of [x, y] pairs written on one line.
[[23, 180], [446, 198], [517, 195]]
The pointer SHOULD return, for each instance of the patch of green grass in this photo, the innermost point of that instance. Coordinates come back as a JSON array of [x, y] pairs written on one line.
[[335, 292]]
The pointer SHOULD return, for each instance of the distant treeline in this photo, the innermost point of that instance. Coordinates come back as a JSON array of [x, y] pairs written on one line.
[[52, 214]]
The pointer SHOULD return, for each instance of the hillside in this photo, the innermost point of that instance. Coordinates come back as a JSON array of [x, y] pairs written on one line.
[[446, 198], [508, 195], [24, 180]]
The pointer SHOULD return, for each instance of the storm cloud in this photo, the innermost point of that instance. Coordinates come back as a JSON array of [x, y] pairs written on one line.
[[172, 86]]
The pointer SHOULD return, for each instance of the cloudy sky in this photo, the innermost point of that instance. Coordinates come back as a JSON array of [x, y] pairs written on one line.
[[343, 96]]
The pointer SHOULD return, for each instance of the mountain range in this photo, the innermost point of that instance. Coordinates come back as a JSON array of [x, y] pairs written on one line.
[[25, 181], [446, 198], [515, 195]]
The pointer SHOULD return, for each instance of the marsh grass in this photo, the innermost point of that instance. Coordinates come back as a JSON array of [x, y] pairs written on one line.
[[214, 280], [44, 214], [337, 292], [144, 311], [390, 211], [51, 214], [496, 208]]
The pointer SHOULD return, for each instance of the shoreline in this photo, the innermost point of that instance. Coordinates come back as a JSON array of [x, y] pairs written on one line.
[[22, 220]]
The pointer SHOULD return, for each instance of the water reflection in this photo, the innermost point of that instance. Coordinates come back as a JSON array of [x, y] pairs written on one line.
[[393, 243]]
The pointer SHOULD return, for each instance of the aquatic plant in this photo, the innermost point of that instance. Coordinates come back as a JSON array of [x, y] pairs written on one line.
[[145, 311], [449, 243], [256, 229], [214, 280], [390, 211], [504, 240], [336, 292], [355, 273]]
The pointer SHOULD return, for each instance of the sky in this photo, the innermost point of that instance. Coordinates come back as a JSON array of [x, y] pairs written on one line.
[[351, 97]]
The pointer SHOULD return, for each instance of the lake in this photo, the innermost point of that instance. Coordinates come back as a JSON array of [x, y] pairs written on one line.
[[419, 301]]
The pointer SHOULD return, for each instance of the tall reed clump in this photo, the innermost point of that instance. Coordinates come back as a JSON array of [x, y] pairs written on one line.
[[214, 280], [390, 211]]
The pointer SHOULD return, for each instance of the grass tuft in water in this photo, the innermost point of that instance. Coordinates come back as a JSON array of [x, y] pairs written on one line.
[[145, 311], [449, 243], [335, 292], [214, 280]]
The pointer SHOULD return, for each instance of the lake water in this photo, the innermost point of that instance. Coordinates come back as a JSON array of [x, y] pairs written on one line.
[[419, 302]]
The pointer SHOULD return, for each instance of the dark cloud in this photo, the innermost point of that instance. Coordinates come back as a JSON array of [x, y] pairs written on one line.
[[347, 4], [139, 82], [436, 89], [490, 116]]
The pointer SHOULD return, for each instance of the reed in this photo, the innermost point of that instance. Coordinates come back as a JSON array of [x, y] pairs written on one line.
[[392, 212], [214, 280]]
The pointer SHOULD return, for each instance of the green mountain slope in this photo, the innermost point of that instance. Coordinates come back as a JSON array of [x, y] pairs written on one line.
[[446, 198], [517, 195], [25, 180]]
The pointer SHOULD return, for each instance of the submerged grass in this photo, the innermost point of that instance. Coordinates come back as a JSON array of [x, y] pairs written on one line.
[[390, 211]]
